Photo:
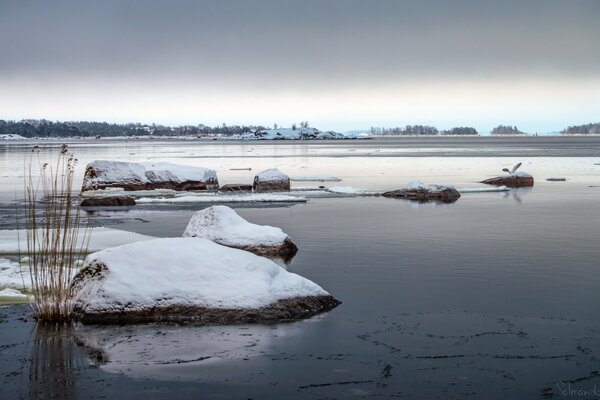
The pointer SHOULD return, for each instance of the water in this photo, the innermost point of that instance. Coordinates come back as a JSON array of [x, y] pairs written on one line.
[[494, 296]]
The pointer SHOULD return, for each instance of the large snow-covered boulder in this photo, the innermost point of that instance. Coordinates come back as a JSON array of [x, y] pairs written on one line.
[[191, 279], [418, 191], [271, 180], [517, 179], [103, 174], [223, 225]]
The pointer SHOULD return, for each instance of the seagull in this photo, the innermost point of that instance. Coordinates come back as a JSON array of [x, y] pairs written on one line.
[[513, 170]]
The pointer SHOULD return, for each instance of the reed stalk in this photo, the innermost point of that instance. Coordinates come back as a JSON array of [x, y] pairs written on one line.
[[56, 239]]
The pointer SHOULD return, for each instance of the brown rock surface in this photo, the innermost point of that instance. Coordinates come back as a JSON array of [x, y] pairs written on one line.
[[112, 201], [511, 181], [426, 193]]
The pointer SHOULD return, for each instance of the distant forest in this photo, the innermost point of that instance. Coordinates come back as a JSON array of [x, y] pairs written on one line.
[[422, 130], [583, 129], [44, 128]]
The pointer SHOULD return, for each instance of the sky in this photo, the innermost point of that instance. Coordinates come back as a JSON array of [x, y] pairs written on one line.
[[339, 64]]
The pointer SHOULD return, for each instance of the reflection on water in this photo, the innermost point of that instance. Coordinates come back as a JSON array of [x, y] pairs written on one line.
[[171, 351], [54, 361]]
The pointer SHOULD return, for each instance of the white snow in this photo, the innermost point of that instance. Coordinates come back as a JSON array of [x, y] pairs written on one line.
[[418, 185], [162, 171], [349, 190], [484, 189], [12, 294], [11, 275], [116, 191], [521, 174], [187, 272], [316, 179], [225, 198], [100, 238], [272, 175], [223, 225], [110, 172], [11, 136]]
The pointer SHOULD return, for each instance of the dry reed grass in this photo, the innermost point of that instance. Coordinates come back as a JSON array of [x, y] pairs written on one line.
[[55, 236]]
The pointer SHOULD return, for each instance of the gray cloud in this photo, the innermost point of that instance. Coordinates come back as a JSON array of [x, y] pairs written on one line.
[[289, 43]]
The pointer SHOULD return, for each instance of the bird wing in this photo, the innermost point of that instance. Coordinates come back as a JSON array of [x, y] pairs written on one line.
[[515, 168]]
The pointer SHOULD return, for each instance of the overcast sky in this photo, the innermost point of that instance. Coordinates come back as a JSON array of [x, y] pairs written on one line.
[[340, 64]]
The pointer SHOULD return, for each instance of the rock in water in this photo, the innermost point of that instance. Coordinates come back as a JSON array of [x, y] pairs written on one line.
[[191, 279], [224, 226], [147, 176], [418, 191], [271, 180], [236, 188], [518, 179], [109, 201]]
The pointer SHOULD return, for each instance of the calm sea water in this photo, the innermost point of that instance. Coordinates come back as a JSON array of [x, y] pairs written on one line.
[[494, 296]]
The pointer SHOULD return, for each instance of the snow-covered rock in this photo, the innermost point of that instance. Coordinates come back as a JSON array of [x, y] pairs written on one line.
[[11, 136], [102, 174], [517, 179], [223, 225], [418, 191], [271, 180], [179, 279]]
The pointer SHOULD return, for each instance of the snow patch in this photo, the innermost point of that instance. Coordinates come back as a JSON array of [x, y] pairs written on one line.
[[349, 190], [12, 276], [418, 185], [316, 179], [11, 136], [100, 238], [225, 198], [12, 294]]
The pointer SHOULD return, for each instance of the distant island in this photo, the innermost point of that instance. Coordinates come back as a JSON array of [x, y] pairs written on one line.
[[587, 129], [506, 130], [41, 128]]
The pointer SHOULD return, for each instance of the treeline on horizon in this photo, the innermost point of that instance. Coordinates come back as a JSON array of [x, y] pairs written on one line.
[[45, 128]]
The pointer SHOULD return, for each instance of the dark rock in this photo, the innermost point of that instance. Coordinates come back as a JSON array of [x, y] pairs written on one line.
[[286, 310], [286, 251], [510, 181], [236, 187], [112, 201], [271, 180], [423, 194]]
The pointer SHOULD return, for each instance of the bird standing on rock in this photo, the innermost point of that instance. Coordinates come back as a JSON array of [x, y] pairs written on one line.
[[513, 170]]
